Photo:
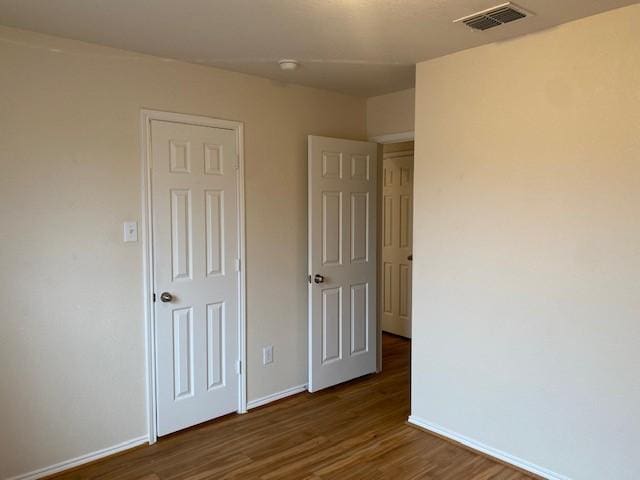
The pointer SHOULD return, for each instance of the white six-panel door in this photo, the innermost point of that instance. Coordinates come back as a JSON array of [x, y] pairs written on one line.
[[342, 260], [195, 245], [397, 244]]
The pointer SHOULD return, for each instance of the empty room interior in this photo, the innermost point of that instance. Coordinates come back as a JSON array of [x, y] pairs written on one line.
[[306, 239]]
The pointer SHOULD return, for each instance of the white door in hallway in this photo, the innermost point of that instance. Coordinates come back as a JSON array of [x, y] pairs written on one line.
[[397, 243], [342, 260], [194, 182]]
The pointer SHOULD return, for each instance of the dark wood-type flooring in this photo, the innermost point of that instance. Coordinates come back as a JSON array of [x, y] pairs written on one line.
[[353, 431]]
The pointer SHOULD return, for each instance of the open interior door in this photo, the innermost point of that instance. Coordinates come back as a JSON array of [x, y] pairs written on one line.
[[342, 260]]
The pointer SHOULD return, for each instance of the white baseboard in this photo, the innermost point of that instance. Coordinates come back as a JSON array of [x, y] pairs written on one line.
[[134, 442], [258, 402], [75, 462], [487, 450]]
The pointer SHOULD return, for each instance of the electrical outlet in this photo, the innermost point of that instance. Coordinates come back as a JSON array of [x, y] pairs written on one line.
[[267, 355]]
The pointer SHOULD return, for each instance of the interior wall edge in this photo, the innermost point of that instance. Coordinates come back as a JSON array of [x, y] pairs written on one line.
[[82, 459], [258, 402], [486, 449]]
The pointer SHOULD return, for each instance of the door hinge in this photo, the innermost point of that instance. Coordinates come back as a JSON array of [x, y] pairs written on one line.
[[237, 162], [239, 367], [154, 297], [237, 264]]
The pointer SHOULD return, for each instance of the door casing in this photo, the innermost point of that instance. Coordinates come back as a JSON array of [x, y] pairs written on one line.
[[146, 116]]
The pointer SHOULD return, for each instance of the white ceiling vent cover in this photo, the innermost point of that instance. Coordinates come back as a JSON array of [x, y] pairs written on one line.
[[494, 17]]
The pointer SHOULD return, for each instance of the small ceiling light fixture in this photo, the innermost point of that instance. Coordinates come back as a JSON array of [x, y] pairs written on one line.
[[288, 64]]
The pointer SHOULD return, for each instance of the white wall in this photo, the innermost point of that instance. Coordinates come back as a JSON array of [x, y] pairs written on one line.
[[71, 335], [527, 247], [391, 113]]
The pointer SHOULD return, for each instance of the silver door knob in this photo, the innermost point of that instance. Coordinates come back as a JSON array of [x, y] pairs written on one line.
[[318, 278], [166, 297]]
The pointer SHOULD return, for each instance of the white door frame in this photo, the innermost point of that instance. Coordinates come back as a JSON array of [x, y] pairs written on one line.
[[394, 137], [146, 116]]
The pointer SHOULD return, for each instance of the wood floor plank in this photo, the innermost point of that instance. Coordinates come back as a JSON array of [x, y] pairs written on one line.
[[350, 432]]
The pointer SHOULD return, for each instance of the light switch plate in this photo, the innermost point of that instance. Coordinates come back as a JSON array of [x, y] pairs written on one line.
[[130, 231], [267, 355]]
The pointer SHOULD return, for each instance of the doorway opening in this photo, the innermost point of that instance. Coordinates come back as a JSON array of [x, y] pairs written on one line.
[[194, 249], [396, 244], [360, 253]]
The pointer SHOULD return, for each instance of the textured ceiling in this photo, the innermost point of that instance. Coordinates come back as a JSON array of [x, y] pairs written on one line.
[[360, 47]]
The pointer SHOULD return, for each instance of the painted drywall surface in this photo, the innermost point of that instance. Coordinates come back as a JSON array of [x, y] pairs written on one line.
[[526, 331], [391, 113], [72, 330]]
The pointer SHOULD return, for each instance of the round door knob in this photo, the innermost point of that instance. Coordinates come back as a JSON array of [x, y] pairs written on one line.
[[318, 278], [410, 257], [166, 297]]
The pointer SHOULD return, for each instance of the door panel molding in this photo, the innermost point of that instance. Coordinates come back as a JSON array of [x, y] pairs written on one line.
[[180, 161]]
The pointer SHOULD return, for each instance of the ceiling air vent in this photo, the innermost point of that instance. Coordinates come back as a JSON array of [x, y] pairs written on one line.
[[494, 17]]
